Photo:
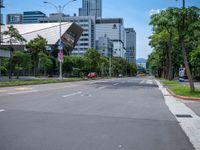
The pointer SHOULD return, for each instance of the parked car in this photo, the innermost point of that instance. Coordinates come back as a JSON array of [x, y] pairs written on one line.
[[92, 75]]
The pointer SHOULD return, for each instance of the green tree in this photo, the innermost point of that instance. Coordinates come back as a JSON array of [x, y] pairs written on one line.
[[36, 46], [45, 63], [14, 36], [93, 58]]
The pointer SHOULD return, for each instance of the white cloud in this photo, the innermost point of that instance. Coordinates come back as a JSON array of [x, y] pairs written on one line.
[[154, 11]]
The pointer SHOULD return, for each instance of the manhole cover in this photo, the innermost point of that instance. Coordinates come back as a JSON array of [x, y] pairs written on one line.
[[183, 116]]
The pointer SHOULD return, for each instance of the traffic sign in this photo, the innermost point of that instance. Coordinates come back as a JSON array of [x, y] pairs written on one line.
[[60, 56]]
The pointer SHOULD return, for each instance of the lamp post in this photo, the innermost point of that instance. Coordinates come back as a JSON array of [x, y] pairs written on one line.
[[60, 9]]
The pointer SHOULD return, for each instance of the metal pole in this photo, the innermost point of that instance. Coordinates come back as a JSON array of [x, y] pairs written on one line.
[[110, 65], [60, 11], [0, 68], [183, 3]]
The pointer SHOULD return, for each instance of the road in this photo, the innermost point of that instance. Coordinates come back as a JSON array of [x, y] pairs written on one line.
[[115, 114]]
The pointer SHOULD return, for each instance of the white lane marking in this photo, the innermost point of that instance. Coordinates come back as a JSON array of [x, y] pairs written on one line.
[[149, 81], [23, 92], [101, 88], [116, 84], [2, 110], [68, 86], [141, 82], [72, 94], [189, 125]]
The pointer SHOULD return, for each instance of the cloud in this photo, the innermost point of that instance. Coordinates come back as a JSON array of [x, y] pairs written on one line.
[[154, 11]]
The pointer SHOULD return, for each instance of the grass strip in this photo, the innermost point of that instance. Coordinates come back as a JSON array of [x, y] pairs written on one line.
[[181, 89], [38, 81]]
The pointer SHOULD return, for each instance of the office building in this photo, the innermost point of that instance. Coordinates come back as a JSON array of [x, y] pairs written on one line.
[[104, 46], [14, 19], [91, 8], [114, 29], [87, 39], [1, 18], [130, 45], [32, 16]]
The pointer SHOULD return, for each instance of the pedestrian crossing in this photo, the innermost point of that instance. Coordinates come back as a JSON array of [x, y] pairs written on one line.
[[147, 81]]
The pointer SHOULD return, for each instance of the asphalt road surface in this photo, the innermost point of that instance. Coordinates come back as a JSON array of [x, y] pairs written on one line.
[[116, 114]]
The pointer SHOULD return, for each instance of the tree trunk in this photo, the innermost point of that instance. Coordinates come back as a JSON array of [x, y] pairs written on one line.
[[170, 76], [192, 88]]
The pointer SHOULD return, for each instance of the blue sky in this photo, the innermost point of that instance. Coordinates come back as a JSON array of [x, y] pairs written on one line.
[[135, 13]]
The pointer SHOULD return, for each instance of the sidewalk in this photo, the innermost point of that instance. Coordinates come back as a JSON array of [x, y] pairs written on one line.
[[193, 105], [186, 113]]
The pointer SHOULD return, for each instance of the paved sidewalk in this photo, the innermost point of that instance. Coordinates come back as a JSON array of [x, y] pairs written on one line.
[[194, 105]]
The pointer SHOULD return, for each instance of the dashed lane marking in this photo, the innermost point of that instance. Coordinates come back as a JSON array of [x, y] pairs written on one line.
[[116, 84], [72, 94], [2, 110]]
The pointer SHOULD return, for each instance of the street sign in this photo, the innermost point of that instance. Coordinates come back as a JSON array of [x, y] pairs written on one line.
[[60, 56], [181, 74]]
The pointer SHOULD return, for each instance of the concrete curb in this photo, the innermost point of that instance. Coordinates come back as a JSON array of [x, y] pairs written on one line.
[[181, 97]]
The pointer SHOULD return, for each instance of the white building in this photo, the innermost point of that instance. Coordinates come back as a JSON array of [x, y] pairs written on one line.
[[114, 29], [50, 31], [87, 39]]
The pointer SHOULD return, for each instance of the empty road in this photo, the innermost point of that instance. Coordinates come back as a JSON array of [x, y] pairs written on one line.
[[115, 114]]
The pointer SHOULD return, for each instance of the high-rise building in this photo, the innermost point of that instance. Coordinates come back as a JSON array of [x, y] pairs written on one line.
[[114, 29], [14, 19], [32, 16], [1, 18], [130, 45], [91, 8], [87, 39]]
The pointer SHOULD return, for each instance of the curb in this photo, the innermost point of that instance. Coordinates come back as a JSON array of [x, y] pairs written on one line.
[[178, 96], [183, 97]]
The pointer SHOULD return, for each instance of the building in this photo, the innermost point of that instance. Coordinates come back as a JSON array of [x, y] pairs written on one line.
[[70, 32], [1, 18], [32, 16], [14, 19], [104, 46], [114, 29], [91, 8], [130, 45], [87, 39]]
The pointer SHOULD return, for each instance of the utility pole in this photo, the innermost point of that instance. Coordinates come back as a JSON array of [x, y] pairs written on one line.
[[60, 10]]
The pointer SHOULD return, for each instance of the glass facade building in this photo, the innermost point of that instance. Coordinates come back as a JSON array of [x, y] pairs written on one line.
[[91, 8], [32, 16]]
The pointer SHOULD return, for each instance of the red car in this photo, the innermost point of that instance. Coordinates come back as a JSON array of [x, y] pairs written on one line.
[[92, 75]]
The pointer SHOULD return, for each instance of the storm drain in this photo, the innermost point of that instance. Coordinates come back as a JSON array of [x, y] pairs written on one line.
[[183, 116]]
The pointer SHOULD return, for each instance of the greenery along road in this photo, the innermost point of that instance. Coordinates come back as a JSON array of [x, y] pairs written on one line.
[[38, 61], [175, 42]]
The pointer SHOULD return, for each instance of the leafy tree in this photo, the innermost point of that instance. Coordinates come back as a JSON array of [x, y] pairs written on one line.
[[14, 36], [36, 46], [45, 62], [92, 57]]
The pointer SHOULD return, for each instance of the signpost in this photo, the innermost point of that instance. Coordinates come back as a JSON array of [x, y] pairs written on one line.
[[181, 74]]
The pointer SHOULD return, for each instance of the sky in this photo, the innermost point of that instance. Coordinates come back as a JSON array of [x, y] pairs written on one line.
[[136, 13]]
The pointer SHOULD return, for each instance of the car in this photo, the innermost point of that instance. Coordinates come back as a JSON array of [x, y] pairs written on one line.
[[92, 75]]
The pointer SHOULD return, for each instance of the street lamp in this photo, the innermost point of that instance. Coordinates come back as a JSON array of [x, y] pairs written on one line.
[[60, 9]]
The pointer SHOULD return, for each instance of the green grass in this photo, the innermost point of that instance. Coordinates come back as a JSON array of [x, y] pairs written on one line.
[[40, 81], [181, 89]]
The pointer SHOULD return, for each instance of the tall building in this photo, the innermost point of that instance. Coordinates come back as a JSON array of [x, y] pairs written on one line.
[[14, 19], [32, 16], [104, 46], [130, 45], [114, 29], [87, 39], [1, 18], [91, 8]]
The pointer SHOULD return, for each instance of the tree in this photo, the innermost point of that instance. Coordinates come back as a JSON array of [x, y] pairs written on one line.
[[45, 62], [187, 23], [92, 57], [36, 46], [14, 36]]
